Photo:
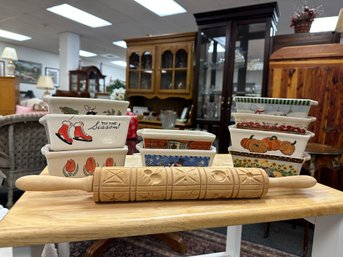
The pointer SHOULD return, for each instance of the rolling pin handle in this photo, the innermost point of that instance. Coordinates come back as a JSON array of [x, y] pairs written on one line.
[[54, 183], [301, 181]]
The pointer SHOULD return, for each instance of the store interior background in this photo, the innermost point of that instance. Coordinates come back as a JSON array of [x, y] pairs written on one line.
[[129, 20]]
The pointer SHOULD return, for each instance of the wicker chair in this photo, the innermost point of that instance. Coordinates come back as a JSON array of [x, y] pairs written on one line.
[[21, 140]]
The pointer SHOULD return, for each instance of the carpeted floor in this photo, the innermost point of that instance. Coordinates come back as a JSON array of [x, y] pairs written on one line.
[[198, 242]]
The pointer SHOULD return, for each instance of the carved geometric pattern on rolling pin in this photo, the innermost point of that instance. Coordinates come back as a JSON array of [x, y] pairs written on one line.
[[172, 183], [114, 184]]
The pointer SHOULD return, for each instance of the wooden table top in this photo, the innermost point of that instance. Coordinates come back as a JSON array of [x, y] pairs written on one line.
[[65, 216]]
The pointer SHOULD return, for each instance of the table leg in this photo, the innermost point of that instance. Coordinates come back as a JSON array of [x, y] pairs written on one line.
[[233, 240], [328, 236], [233, 244], [63, 249], [312, 165], [6, 252]]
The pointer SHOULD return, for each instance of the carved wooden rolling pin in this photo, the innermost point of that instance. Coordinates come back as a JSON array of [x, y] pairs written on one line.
[[111, 184]]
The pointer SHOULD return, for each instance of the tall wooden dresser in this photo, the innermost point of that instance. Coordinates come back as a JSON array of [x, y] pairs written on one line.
[[314, 72], [9, 95]]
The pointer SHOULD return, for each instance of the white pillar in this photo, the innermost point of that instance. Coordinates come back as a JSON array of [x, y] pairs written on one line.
[[69, 56]]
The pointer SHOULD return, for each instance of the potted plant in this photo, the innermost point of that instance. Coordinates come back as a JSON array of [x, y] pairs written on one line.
[[303, 18], [116, 88]]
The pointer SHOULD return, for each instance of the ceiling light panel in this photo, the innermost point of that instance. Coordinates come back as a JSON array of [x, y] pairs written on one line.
[[162, 7], [120, 43], [119, 63], [86, 54], [78, 15], [12, 35], [324, 24]]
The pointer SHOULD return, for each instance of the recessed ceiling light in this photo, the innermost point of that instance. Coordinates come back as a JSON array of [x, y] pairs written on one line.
[[78, 15], [86, 54], [162, 7], [324, 24], [119, 63], [12, 35], [120, 43]]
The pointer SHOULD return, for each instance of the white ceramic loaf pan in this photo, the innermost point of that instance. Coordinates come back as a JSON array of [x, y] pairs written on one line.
[[76, 132], [176, 139], [274, 106], [80, 163], [269, 142], [276, 123], [80, 105], [274, 165], [176, 157]]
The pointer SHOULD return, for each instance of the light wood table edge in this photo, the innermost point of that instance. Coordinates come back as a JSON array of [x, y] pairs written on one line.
[[18, 230]]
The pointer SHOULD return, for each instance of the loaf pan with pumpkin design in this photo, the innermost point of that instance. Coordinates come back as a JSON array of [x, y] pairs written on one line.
[[176, 157], [274, 106], [274, 165], [269, 142], [89, 106], [81, 163], [276, 123]]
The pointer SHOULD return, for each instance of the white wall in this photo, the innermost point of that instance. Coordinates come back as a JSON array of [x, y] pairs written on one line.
[[52, 61]]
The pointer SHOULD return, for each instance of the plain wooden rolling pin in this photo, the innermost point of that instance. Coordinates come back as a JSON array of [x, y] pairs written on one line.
[[111, 184]]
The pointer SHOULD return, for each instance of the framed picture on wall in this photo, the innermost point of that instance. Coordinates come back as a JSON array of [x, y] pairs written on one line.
[[28, 72], [2, 68], [54, 74]]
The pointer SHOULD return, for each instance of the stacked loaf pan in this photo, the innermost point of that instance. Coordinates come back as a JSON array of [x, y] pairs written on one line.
[[271, 133], [168, 147], [83, 134]]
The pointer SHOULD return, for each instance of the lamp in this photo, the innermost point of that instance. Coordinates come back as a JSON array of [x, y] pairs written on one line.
[[339, 25], [45, 83], [10, 54]]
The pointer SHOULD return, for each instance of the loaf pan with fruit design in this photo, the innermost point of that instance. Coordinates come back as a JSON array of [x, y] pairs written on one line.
[[275, 123], [269, 142], [81, 163]]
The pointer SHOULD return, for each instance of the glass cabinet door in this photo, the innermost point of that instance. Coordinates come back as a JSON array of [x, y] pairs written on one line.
[[211, 73], [249, 59], [73, 82], [140, 72], [174, 73]]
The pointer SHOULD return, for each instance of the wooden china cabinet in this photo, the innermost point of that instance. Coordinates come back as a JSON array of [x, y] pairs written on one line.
[[87, 79], [233, 49], [159, 72]]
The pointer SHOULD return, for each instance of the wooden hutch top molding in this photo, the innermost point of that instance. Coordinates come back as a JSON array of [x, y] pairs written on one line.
[[251, 11], [161, 39], [313, 51]]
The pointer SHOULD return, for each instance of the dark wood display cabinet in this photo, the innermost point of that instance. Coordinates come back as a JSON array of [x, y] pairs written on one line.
[[159, 74], [88, 79], [233, 49]]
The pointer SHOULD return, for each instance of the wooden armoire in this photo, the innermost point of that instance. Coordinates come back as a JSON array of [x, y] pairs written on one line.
[[314, 72]]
